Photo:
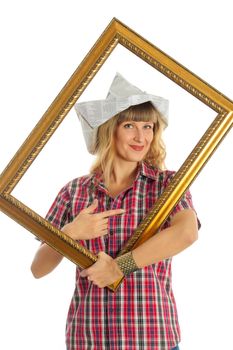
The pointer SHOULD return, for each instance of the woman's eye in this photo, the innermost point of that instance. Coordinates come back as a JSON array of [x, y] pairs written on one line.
[[131, 126], [128, 126], [148, 126]]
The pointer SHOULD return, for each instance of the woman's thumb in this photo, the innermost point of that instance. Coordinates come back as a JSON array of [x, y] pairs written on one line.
[[93, 206]]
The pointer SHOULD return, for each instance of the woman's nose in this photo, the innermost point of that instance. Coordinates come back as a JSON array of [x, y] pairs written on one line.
[[139, 136]]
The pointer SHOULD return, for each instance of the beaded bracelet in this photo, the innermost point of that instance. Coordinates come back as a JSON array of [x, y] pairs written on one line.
[[127, 263]]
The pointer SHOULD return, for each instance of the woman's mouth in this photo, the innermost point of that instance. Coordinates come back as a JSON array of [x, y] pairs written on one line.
[[137, 148]]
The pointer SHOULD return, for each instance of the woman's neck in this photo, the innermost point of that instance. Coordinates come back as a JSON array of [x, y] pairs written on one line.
[[123, 172]]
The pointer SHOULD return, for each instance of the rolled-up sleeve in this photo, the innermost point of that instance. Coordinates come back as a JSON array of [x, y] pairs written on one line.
[[185, 202], [59, 212]]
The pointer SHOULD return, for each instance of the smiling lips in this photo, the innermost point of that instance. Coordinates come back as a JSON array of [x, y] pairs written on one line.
[[137, 148]]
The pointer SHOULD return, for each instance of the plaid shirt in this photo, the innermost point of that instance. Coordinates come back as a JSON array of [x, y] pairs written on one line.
[[142, 313]]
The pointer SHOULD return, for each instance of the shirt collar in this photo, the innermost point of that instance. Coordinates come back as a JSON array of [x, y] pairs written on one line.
[[148, 171], [144, 169]]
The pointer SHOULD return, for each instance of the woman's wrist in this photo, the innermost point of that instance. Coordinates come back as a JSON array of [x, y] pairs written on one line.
[[126, 263], [69, 231]]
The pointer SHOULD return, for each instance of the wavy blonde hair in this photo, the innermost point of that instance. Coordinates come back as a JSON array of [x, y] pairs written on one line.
[[105, 146]]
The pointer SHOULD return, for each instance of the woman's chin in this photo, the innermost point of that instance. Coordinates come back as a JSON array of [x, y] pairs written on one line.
[[134, 159]]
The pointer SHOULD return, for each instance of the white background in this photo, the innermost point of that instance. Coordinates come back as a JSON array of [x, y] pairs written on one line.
[[42, 43]]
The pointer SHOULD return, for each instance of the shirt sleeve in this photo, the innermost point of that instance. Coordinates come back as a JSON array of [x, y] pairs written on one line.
[[59, 213]]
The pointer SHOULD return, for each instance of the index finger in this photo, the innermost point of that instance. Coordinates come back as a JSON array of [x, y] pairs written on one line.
[[112, 212]]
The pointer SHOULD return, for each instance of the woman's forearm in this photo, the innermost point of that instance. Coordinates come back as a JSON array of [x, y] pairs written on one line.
[[45, 261], [170, 241]]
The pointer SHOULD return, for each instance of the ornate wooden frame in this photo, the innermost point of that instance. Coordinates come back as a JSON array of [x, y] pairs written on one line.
[[115, 33]]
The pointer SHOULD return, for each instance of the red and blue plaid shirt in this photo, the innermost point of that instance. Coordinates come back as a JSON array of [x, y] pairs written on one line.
[[142, 313]]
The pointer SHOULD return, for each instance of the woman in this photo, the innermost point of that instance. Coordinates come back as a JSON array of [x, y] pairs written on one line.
[[102, 210]]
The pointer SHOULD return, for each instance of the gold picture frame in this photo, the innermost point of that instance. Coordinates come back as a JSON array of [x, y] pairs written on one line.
[[115, 33]]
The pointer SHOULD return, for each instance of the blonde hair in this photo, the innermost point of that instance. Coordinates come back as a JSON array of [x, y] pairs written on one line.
[[105, 147]]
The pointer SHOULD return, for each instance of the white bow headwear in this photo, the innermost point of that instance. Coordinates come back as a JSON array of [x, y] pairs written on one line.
[[121, 95]]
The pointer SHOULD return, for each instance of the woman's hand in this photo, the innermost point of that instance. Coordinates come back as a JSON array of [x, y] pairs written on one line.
[[88, 225], [104, 272]]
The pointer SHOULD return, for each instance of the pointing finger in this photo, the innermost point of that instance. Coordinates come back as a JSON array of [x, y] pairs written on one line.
[[108, 213]]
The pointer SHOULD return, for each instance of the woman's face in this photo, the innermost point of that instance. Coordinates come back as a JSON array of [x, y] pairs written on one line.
[[133, 140]]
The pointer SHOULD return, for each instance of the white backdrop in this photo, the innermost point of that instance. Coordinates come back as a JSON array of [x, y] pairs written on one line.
[[42, 43]]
